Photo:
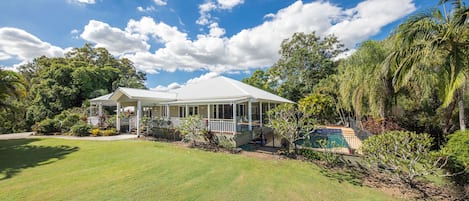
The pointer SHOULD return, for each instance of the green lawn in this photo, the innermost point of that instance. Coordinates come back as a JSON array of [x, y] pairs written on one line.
[[55, 169]]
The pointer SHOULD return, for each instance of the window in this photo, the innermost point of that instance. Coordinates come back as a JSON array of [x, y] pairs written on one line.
[[193, 110], [182, 111]]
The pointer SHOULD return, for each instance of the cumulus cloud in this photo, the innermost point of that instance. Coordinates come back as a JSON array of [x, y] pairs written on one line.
[[146, 9], [160, 2], [82, 1], [113, 39], [176, 85], [19, 44], [207, 7], [250, 48]]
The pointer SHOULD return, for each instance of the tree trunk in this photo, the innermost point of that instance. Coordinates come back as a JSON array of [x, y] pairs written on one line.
[[462, 119]]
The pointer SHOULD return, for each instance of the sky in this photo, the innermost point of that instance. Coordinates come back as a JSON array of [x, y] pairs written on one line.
[[178, 42]]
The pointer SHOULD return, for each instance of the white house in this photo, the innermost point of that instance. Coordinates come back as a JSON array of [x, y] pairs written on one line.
[[228, 106]]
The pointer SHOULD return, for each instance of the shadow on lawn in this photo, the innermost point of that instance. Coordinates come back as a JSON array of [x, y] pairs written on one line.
[[18, 154]]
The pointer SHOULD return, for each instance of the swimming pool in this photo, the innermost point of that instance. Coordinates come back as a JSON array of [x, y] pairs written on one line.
[[332, 138]]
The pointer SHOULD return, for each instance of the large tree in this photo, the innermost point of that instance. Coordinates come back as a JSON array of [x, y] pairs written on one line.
[[304, 60], [57, 84], [12, 86], [441, 36]]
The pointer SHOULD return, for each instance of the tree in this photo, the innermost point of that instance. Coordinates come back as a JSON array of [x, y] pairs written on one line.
[[305, 59], [12, 87], [288, 121], [261, 80], [436, 36], [57, 84], [404, 154], [192, 129], [364, 84]]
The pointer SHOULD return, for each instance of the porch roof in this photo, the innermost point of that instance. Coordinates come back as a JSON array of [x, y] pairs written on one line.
[[104, 100], [142, 94]]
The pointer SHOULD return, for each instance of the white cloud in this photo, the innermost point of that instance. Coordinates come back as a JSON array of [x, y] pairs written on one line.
[[82, 2], [207, 7], [203, 77], [176, 85], [160, 2], [21, 45], [171, 86], [113, 39], [146, 9], [74, 31], [250, 48], [229, 4]]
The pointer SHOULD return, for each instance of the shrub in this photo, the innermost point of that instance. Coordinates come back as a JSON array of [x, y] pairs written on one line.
[[95, 132], [457, 149], [67, 120], [310, 154], [192, 129], [226, 142], [81, 129], [109, 132], [46, 126], [403, 154]]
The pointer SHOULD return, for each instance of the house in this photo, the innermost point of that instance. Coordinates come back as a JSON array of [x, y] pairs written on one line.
[[228, 106]]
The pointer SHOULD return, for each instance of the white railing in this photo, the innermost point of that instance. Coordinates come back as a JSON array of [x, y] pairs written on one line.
[[93, 120], [217, 125], [221, 125]]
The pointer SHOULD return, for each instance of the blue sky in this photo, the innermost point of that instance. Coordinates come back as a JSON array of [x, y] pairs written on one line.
[[175, 41]]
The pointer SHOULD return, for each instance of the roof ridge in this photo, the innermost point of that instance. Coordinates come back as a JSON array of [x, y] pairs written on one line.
[[236, 86]]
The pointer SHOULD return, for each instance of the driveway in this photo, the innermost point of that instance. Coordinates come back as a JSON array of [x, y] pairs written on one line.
[[30, 135]]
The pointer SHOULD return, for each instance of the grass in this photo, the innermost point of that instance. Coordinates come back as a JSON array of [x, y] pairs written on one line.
[[57, 169]]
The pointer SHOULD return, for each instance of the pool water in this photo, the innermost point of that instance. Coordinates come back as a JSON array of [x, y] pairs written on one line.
[[331, 138]]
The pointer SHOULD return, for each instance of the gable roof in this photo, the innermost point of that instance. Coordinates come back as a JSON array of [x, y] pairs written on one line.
[[223, 88], [143, 94]]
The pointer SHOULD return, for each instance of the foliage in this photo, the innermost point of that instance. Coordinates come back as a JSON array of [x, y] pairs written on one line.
[[46, 126], [404, 154], [435, 41], [310, 154], [328, 155], [109, 132], [80, 129], [261, 80], [288, 122], [12, 87], [320, 107], [66, 120], [458, 149], [95, 132], [192, 129], [305, 59], [226, 142], [364, 84], [377, 126], [57, 84]]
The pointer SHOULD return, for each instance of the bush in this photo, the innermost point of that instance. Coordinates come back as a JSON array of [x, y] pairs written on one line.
[[403, 154], [81, 129], [457, 149], [46, 126], [226, 142], [310, 154], [192, 129], [109, 132], [95, 132], [67, 120]]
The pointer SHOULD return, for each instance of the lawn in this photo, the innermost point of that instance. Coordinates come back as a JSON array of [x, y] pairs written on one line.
[[57, 169]]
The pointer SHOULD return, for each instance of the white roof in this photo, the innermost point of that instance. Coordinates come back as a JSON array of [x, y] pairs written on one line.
[[143, 94], [219, 89], [223, 88], [104, 100]]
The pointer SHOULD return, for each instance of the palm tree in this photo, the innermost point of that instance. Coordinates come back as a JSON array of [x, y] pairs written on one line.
[[11, 86], [438, 40]]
